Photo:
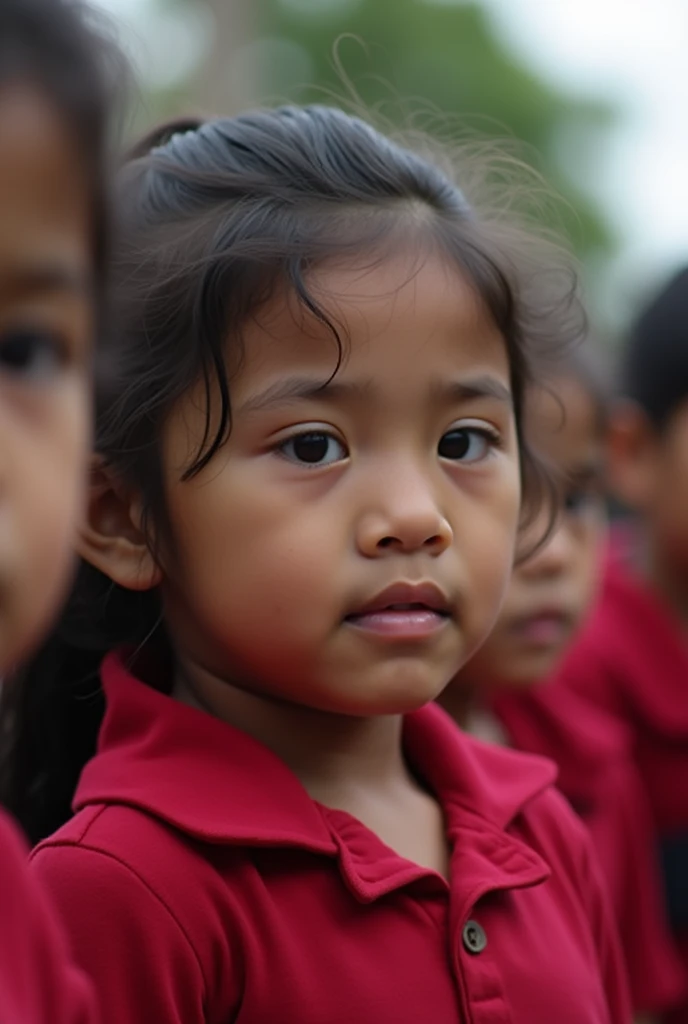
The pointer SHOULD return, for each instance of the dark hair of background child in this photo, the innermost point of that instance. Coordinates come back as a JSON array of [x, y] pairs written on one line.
[[654, 370], [216, 216]]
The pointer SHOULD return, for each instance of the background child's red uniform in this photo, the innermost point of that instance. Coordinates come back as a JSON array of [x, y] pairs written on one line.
[[37, 983], [632, 659], [601, 781], [229, 894]]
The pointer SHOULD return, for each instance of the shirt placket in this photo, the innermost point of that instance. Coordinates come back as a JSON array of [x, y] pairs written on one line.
[[499, 865]]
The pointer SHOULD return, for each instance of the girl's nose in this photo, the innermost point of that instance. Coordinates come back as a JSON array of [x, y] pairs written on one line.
[[406, 521]]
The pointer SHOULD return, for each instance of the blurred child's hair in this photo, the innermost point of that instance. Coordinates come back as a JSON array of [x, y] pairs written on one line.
[[655, 362], [217, 216]]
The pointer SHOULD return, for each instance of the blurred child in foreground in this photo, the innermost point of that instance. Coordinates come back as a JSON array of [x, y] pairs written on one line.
[[53, 98], [632, 658], [498, 693]]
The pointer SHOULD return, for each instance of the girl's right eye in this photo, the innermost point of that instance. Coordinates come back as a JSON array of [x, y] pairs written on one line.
[[313, 448], [31, 353]]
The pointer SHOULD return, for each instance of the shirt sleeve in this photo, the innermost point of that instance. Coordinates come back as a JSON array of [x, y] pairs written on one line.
[[124, 936], [38, 983]]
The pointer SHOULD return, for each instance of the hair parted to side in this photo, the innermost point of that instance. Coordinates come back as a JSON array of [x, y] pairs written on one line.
[[217, 216]]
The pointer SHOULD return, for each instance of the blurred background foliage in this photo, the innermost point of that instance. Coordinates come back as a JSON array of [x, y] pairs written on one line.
[[397, 55]]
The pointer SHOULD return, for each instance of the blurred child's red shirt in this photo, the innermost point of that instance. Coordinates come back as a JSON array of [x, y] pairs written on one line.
[[200, 881], [37, 983], [632, 660], [600, 780]]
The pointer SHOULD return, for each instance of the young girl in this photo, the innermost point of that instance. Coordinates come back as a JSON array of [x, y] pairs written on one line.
[[52, 245], [516, 683], [302, 521]]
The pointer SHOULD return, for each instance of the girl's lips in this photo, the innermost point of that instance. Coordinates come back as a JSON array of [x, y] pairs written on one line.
[[404, 611], [410, 623]]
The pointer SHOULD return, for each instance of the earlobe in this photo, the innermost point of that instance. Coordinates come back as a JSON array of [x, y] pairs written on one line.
[[112, 536]]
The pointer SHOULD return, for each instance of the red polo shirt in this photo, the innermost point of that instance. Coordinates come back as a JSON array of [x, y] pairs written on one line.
[[201, 883], [598, 776], [632, 659], [37, 983]]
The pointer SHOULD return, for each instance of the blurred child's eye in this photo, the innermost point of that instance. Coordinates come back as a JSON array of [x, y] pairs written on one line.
[[29, 353], [577, 502], [313, 448], [467, 444]]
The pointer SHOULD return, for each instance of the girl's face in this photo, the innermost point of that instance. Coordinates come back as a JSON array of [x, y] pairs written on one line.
[[551, 593], [349, 547], [45, 331]]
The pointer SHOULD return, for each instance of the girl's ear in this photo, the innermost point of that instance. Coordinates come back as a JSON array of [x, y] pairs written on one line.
[[112, 536]]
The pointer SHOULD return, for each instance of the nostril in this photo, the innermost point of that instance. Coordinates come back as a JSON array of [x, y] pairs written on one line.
[[385, 542]]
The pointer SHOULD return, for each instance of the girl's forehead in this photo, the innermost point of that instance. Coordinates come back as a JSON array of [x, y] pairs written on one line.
[[375, 317], [46, 257]]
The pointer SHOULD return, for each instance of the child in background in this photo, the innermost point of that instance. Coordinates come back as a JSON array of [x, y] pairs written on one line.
[[52, 245], [514, 686], [632, 658], [302, 520]]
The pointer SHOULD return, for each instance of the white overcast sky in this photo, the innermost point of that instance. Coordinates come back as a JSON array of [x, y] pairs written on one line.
[[633, 51]]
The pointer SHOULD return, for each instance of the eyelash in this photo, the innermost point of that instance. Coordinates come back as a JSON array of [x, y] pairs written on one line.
[[490, 436]]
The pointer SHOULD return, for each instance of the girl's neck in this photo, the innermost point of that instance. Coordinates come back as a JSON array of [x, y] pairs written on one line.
[[336, 757]]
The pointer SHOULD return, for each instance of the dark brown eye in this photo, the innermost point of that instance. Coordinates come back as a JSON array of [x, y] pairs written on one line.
[[314, 448], [579, 501], [30, 354], [465, 444]]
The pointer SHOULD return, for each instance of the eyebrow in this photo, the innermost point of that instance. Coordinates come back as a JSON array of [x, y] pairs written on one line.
[[484, 386], [584, 472], [39, 278], [295, 389]]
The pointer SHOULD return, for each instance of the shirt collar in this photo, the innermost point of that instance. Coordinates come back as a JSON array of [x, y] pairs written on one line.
[[219, 785]]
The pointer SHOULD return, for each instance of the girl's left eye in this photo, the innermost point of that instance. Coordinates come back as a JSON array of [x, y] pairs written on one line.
[[313, 448], [466, 444]]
